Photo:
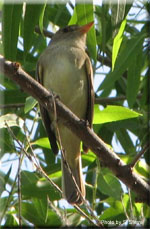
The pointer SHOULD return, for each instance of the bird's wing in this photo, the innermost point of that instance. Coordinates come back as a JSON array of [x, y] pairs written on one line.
[[45, 116], [90, 106]]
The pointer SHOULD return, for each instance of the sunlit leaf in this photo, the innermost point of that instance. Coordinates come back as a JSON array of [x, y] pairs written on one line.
[[41, 18], [90, 157], [30, 104], [11, 120], [43, 142], [113, 114], [123, 60], [73, 19], [143, 169], [117, 42]]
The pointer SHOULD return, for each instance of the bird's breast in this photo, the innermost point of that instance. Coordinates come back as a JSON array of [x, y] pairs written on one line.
[[65, 75]]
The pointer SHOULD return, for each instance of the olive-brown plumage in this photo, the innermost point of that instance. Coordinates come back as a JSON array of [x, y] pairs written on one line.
[[65, 69]]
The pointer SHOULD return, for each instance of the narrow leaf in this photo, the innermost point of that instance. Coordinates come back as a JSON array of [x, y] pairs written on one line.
[[85, 14], [133, 80], [113, 114], [118, 13], [117, 42], [123, 60], [42, 142], [32, 15], [10, 24], [29, 104], [125, 141], [73, 19], [42, 17]]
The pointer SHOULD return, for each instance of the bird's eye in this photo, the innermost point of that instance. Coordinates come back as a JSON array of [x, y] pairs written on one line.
[[65, 30]]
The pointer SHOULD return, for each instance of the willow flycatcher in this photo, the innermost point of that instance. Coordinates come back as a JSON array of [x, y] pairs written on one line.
[[65, 69]]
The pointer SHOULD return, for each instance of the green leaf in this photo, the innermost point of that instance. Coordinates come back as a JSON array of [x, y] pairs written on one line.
[[146, 211], [133, 80], [105, 26], [113, 114], [73, 219], [58, 14], [33, 186], [6, 142], [3, 203], [85, 14], [8, 174], [2, 182], [37, 212], [41, 207], [42, 17], [73, 19], [29, 104], [11, 220], [118, 13], [88, 157], [11, 20], [124, 59], [113, 217], [143, 169], [125, 141], [109, 185], [31, 19], [42, 142], [13, 96], [117, 42], [11, 120]]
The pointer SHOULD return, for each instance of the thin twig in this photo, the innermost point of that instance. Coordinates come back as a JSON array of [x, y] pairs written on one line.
[[138, 156], [98, 223], [57, 211], [104, 60], [19, 190], [110, 100], [86, 216], [39, 168], [124, 208], [3, 213], [8, 106]]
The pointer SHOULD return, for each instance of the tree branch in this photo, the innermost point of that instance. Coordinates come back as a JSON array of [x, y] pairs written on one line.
[[109, 158], [13, 106], [111, 100]]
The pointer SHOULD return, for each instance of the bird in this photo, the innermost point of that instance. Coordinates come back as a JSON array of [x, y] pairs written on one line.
[[65, 69]]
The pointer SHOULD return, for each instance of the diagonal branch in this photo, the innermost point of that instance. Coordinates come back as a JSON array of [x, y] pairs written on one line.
[[109, 158]]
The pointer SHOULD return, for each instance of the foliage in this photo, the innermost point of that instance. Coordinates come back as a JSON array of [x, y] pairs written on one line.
[[118, 48]]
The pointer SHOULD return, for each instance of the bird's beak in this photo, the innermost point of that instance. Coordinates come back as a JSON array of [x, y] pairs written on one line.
[[85, 28]]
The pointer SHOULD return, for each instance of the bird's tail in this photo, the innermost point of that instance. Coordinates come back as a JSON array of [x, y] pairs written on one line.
[[70, 191]]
